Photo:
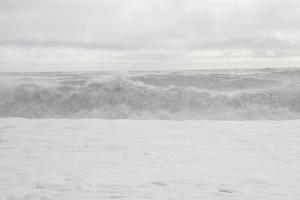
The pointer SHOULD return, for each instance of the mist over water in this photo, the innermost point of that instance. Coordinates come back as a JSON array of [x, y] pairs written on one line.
[[171, 95]]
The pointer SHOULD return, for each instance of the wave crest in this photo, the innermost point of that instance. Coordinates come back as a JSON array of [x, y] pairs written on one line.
[[121, 97]]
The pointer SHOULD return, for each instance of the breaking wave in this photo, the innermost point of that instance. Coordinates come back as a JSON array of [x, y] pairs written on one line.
[[125, 97]]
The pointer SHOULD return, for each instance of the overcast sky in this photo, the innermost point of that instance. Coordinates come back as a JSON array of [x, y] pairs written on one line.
[[43, 35]]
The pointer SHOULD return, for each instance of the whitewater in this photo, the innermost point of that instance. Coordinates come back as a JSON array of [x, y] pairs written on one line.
[[62, 159]]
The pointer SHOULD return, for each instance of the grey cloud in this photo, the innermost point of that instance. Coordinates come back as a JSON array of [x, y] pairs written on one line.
[[259, 44], [258, 25]]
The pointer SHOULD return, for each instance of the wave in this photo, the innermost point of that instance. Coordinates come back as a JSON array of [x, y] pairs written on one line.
[[126, 97]]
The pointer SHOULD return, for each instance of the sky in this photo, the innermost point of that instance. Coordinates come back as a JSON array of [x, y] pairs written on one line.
[[56, 35]]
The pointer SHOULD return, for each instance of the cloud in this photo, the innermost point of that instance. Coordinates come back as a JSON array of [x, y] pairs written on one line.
[[135, 26], [146, 23]]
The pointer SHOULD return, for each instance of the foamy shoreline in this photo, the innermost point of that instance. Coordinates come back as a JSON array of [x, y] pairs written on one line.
[[128, 159]]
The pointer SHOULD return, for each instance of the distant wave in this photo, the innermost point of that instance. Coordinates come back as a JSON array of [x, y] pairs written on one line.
[[222, 97]]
